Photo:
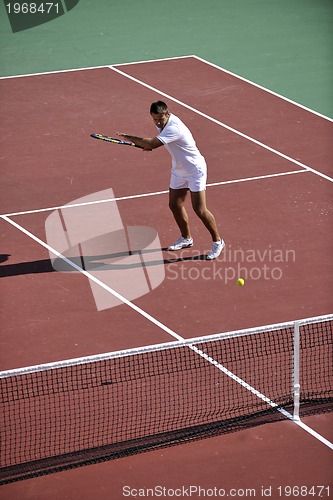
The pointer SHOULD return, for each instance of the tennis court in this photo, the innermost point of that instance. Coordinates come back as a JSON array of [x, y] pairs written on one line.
[[270, 187]]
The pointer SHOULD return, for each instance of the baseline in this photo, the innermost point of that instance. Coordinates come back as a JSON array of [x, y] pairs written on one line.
[[194, 56], [89, 68]]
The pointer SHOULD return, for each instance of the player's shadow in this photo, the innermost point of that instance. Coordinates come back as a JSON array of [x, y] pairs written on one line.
[[88, 263], [34, 267]]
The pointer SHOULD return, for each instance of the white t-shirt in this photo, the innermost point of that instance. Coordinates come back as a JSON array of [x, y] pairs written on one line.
[[178, 140]]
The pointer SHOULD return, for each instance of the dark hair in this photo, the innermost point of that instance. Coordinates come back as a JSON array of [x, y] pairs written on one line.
[[158, 107]]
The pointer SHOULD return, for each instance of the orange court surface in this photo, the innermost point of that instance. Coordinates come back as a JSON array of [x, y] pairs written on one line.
[[270, 189]]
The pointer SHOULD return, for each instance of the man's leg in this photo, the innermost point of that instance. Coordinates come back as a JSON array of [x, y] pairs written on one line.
[[176, 204], [199, 206]]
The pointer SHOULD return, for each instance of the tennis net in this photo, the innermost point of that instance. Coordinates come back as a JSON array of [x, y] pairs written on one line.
[[75, 412]]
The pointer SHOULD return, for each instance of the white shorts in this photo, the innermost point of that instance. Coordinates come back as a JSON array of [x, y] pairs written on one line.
[[194, 183]]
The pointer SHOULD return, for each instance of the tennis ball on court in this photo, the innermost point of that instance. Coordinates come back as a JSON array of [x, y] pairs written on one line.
[[240, 282]]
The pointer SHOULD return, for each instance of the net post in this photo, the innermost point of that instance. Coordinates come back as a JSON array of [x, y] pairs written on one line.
[[296, 384]]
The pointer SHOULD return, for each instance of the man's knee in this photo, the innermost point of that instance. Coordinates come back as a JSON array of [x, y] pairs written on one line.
[[175, 206], [200, 211]]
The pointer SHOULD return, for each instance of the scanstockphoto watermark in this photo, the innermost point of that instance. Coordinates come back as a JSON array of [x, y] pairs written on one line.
[[269, 263], [196, 491]]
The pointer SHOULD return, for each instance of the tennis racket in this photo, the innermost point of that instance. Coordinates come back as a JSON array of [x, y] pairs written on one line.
[[114, 140]]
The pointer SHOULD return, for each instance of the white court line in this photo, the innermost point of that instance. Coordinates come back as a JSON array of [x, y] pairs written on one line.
[[261, 88], [169, 331], [93, 278], [261, 396], [224, 125], [307, 168], [149, 61], [144, 195], [55, 72], [89, 68]]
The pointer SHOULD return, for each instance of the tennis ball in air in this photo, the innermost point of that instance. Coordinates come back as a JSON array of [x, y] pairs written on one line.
[[240, 282]]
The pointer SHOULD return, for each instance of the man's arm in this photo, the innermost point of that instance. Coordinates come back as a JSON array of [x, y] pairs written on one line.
[[146, 143]]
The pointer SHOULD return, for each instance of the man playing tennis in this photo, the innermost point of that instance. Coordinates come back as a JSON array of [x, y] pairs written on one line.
[[189, 172]]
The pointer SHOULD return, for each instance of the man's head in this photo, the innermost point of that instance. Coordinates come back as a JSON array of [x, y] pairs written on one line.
[[160, 113]]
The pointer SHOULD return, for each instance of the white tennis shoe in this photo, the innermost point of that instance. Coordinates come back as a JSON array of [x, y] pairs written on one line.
[[181, 243], [216, 250]]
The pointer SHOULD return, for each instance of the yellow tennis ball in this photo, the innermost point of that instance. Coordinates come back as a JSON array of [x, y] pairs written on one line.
[[240, 282]]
